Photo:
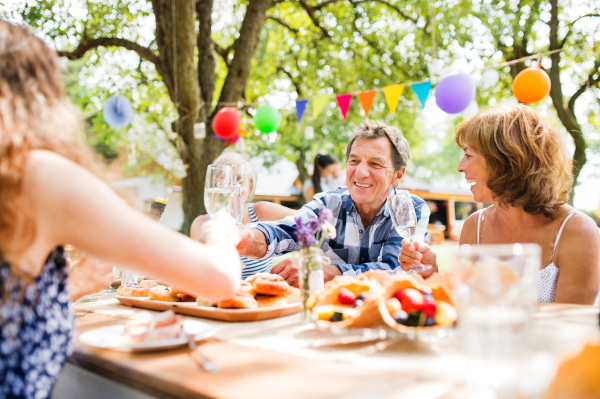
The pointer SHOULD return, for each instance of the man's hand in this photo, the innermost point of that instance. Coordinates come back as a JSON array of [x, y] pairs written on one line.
[[288, 269], [413, 253], [330, 272], [247, 236]]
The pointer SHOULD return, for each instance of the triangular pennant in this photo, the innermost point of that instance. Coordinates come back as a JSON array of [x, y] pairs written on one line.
[[366, 100], [422, 91], [318, 104], [392, 95], [343, 101], [300, 108]]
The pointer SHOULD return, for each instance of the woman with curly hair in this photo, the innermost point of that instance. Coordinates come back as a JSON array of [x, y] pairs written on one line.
[[515, 161], [48, 198]]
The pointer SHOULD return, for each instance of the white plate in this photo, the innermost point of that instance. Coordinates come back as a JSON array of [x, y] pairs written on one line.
[[112, 337]]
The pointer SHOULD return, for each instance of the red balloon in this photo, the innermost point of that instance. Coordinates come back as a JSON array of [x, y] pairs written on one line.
[[226, 123]]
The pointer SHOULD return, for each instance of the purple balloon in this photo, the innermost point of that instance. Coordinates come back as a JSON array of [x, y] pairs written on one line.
[[454, 93]]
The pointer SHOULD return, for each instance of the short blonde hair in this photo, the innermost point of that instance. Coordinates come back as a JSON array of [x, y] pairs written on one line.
[[375, 129], [234, 158], [527, 162]]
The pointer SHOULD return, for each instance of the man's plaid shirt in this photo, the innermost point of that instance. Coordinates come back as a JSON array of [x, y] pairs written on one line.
[[355, 249]]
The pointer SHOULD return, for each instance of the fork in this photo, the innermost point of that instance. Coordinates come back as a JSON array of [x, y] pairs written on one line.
[[204, 362]]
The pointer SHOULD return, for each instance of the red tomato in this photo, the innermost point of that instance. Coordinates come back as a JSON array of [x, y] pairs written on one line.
[[412, 300], [429, 308]]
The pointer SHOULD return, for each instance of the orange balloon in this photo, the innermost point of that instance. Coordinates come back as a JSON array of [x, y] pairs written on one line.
[[531, 85]]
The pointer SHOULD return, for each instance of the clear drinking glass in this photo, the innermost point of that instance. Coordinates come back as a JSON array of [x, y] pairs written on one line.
[[236, 204], [496, 294], [404, 219], [238, 173], [217, 188]]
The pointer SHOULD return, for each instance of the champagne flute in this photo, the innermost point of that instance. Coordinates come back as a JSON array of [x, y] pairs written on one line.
[[238, 173], [217, 188], [236, 205], [404, 219]]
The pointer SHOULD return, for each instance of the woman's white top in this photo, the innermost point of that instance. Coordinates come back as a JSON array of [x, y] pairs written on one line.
[[548, 276]]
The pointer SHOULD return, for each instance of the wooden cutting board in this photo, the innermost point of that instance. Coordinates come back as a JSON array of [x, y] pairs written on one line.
[[193, 309]]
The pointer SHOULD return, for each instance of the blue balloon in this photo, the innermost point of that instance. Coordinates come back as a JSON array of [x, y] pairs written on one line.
[[118, 111]]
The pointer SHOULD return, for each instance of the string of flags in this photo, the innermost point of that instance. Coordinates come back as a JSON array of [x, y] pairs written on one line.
[[392, 96]]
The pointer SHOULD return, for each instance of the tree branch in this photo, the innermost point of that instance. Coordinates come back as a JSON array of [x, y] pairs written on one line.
[[393, 7], [223, 52], [244, 48], [589, 82], [324, 4], [313, 17], [282, 23], [573, 23], [88, 44]]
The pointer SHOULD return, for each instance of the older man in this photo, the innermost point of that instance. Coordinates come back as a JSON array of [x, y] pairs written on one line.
[[376, 159]]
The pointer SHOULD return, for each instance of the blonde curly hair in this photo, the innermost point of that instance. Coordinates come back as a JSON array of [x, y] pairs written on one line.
[[35, 114], [527, 162]]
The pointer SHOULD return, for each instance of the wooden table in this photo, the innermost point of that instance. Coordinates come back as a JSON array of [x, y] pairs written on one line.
[[284, 358]]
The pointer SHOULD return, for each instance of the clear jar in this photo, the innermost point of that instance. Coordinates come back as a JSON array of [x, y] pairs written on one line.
[[312, 278]]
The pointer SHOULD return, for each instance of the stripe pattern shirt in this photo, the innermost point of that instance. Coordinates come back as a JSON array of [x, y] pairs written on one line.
[[251, 266], [355, 249]]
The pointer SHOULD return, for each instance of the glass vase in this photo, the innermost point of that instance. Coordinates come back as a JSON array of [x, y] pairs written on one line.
[[312, 279]]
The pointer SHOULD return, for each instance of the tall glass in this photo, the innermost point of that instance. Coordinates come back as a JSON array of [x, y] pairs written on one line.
[[238, 173], [405, 220], [236, 204], [497, 295], [217, 188]]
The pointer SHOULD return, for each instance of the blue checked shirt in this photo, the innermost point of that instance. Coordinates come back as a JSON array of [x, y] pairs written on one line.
[[355, 249]]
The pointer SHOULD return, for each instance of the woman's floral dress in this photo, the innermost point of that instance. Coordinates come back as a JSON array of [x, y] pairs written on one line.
[[36, 329]]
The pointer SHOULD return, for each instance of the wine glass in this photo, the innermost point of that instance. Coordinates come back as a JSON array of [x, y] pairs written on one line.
[[218, 188], [404, 219], [238, 173], [236, 204]]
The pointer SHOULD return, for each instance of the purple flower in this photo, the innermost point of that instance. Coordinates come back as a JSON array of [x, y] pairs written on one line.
[[307, 234], [324, 215]]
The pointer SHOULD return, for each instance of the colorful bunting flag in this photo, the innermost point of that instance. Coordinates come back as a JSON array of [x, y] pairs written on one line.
[[300, 108], [366, 100], [343, 101], [318, 104], [422, 91], [392, 96]]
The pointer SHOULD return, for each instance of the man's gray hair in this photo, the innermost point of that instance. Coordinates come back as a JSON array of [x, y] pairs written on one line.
[[375, 129]]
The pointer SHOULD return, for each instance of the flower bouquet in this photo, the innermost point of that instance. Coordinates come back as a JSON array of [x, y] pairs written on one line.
[[310, 238]]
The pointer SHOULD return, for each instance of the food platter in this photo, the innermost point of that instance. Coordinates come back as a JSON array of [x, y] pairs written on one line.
[[193, 309]]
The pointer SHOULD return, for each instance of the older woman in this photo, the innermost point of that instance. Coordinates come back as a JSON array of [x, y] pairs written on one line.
[[253, 212], [48, 197], [515, 161]]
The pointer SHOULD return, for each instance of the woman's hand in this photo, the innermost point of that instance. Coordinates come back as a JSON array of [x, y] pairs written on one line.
[[220, 228], [89, 276], [414, 253]]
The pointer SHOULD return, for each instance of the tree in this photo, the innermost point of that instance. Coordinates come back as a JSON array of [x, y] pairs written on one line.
[[518, 31], [199, 88]]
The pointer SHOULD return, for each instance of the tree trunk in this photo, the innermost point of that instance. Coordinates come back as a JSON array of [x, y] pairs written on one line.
[[565, 114], [177, 45]]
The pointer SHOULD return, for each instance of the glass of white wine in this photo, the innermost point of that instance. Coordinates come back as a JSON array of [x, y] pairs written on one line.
[[404, 219], [236, 205], [238, 173], [218, 188]]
